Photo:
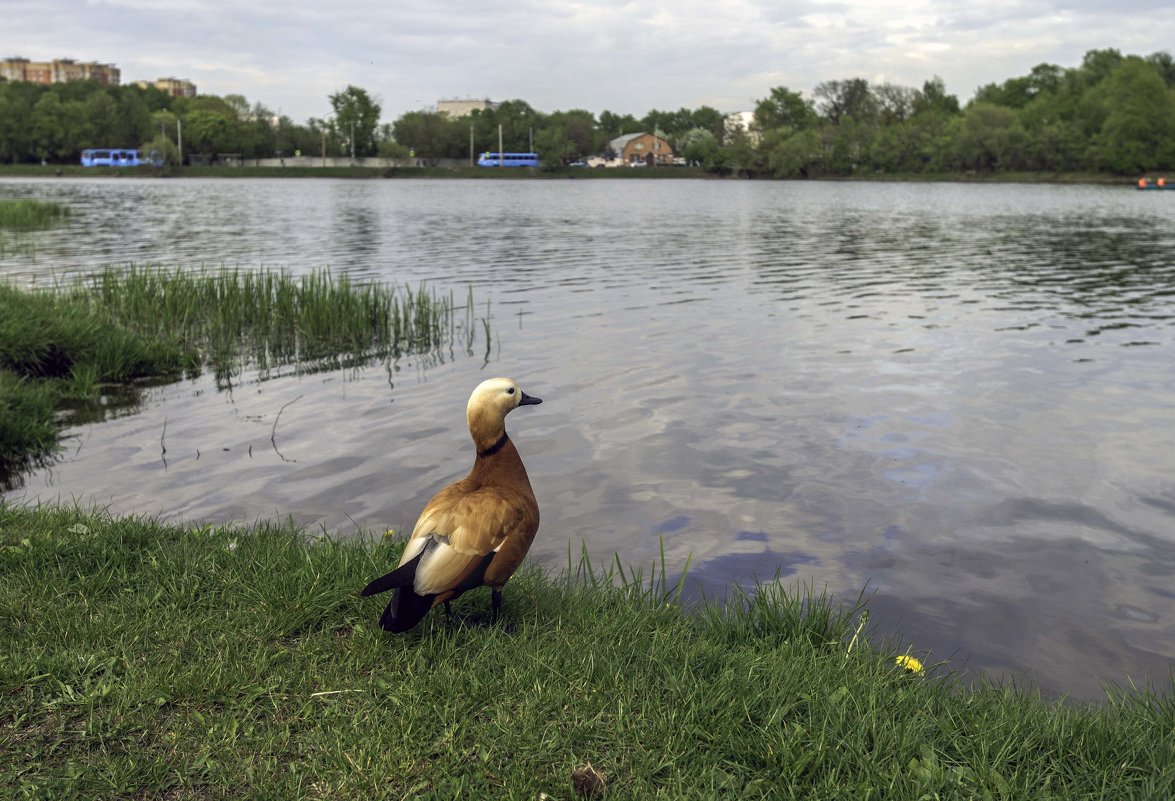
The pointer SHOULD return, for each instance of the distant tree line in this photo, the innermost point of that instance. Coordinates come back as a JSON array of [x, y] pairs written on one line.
[[56, 122], [1112, 113]]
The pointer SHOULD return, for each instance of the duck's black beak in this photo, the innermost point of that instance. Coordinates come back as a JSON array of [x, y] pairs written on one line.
[[529, 400]]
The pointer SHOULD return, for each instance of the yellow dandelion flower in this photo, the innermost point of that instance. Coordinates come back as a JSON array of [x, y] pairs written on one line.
[[911, 664]]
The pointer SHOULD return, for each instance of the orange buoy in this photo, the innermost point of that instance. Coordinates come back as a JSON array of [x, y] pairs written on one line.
[[1142, 183], [1162, 182]]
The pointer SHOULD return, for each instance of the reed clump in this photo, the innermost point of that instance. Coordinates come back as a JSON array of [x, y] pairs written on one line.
[[271, 318], [122, 327], [140, 660], [55, 350], [30, 215]]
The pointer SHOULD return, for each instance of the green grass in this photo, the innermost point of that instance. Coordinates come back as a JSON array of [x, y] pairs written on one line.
[[119, 328], [55, 349], [27, 429], [140, 660], [272, 318], [29, 215]]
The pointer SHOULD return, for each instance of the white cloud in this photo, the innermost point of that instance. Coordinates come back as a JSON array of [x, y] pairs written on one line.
[[591, 54]]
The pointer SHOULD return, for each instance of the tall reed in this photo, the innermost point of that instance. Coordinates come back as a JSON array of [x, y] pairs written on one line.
[[74, 342], [30, 215], [270, 318]]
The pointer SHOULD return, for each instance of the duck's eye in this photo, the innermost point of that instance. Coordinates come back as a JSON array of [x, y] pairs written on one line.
[[510, 391]]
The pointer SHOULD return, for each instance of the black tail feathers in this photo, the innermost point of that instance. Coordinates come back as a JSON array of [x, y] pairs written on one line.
[[402, 576], [405, 610]]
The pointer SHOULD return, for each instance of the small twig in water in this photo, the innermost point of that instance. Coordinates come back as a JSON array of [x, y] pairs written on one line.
[[273, 432]]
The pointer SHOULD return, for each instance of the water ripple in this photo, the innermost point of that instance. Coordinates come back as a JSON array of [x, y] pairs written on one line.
[[960, 395]]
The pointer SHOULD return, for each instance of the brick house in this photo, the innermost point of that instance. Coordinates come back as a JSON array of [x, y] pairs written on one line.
[[646, 147]]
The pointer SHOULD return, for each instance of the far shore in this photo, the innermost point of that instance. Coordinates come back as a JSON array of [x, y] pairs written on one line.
[[655, 173]]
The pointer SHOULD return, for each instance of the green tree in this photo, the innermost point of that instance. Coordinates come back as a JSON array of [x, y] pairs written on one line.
[[793, 155], [239, 106], [104, 128], [391, 149], [933, 99], [163, 148], [988, 138], [578, 128], [518, 121], [613, 125], [208, 132], [710, 119], [1097, 65], [895, 104], [1019, 92], [356, 115], [852, 98], [432, 136], [703, 148], [554, 148], [784, 109], [848, 145], [1138, 127], [48, 127], [1164, 65]]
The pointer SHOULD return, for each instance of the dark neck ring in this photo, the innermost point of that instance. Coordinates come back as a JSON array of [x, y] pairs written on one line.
[[497, 446]]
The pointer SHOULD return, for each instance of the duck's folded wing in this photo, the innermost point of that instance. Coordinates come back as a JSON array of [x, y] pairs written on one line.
[[464, 531]]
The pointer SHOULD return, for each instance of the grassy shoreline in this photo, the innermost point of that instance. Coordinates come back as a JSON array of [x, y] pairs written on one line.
[[666, 173], [139, 659]]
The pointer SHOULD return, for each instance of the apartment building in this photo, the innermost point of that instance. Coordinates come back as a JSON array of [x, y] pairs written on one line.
[[463, 108], [59, 70], [176, 87]]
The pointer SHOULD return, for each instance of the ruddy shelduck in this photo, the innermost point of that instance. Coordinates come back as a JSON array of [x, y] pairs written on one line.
[[475, 531]]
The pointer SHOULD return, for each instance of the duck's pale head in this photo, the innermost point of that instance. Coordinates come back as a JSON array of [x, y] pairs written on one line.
[[489, 404]]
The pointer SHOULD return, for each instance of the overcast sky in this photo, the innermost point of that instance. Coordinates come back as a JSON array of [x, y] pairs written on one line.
[[563, 54]]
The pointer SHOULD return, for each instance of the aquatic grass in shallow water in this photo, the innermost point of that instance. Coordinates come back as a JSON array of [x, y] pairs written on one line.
[[49, 335], [83, 341], [270, 318], [30, 215], [26, 423]]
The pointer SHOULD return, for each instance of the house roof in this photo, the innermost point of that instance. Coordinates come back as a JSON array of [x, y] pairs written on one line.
[[619, 142]]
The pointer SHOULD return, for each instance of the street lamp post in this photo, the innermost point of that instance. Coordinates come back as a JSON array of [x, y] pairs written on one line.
[[324, 121]]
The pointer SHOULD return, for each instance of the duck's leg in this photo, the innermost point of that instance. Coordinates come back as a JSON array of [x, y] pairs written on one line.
[[495, 605], [448, 613]]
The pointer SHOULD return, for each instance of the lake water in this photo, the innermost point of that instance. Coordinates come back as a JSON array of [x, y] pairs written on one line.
[[959, 396]]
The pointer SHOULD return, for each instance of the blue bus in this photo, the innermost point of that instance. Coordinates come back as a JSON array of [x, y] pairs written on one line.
[[508, 160], [118, 157]]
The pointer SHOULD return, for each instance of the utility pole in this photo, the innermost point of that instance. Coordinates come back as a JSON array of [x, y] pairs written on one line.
[[470, 144], [501, 157], [352, 142], [179, 138]]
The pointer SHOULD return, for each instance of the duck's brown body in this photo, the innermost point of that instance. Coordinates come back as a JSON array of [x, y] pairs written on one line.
[[475, 531]]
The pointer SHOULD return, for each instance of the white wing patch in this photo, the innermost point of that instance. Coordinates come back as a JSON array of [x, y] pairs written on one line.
[[440, 567], [414, 546]]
